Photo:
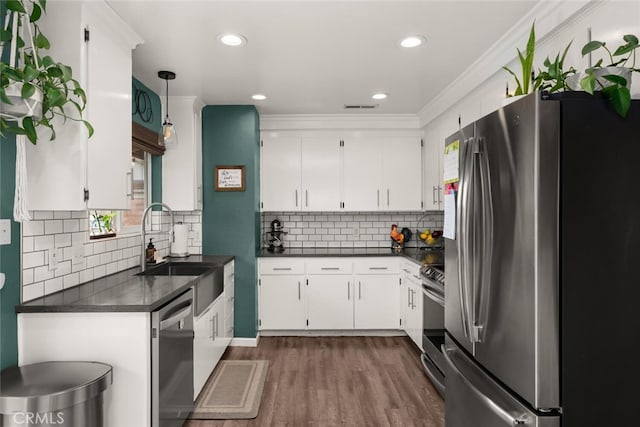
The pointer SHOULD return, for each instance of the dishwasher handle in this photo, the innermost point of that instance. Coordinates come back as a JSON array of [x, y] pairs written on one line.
[[178, 313]]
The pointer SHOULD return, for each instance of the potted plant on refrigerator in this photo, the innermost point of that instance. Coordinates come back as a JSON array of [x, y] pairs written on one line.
[[526, 83], [614, 78], [34, 88]]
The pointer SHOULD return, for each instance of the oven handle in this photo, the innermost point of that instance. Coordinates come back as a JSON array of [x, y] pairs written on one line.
[[429, 293]]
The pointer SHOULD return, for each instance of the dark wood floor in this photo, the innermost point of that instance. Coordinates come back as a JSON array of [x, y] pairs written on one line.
[[340, 381]]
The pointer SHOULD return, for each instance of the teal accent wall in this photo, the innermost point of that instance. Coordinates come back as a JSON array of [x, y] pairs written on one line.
[[231, 219], [9, 257], [147, 111]]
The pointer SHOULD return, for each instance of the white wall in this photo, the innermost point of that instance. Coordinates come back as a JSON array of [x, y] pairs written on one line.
[[481, 89]]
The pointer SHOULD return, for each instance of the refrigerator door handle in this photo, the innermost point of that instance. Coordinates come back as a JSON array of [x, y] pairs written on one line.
[[497, 409], [463, 209], [485, 222]]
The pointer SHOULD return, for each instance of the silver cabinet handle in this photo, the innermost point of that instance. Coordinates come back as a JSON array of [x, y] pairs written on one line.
[[306, 198], [217, 324], [379, 268], [439, 194], [130, 184], [349, 290], [330, 268], [378, 202], [199, 198], [281, 268], [211, 334], [434, 189], [299, 290], [387, 197], [359, 290], [408, 297], [296, 197], [488, 402]]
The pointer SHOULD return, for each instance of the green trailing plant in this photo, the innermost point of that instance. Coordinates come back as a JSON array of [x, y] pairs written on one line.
[[554, 77], [614, 86], [102, 222], [33, 72], [526, 83]]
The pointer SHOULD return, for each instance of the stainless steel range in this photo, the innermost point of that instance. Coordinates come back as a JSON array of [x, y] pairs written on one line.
[[433, 324]]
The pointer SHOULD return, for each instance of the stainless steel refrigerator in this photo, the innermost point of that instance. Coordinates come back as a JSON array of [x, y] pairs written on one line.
[[542, 304]]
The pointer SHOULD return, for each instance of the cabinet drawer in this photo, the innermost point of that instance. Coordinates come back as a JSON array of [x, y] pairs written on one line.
[[377, 266], [282, 267], [330, 266]]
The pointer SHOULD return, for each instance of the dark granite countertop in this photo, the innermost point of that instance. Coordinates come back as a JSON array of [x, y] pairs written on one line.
[[420, 256], [121, 292]]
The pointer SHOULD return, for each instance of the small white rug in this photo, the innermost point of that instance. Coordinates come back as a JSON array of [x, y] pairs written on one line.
[[233, 391]]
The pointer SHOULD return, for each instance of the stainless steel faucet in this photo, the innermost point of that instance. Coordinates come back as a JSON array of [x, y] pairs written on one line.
[[172, 237]]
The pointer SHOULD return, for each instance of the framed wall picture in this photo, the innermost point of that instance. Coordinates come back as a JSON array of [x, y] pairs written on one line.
[[229, 178]]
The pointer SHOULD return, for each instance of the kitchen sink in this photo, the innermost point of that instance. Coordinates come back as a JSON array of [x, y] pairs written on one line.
[[177, 269]]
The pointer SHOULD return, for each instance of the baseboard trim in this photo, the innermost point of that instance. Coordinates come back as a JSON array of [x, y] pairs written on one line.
[[245, 342], [333, 333]]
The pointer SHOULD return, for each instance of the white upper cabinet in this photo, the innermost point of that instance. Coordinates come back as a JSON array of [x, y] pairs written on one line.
[[280, 181], [320, 178], [92, 39], [433, 184], [382, 173], [300, 173], [182, 165]]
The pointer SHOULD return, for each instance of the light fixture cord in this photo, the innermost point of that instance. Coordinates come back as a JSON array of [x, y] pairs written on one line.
[[166, 117]]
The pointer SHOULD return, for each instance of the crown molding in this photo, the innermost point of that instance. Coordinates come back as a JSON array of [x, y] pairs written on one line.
[[338, 121], [550, 18]]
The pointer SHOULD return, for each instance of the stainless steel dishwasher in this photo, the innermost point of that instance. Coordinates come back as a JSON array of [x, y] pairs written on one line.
[[172, 362]]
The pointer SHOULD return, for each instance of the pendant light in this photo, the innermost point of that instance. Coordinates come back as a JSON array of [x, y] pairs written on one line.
[[169, 135]]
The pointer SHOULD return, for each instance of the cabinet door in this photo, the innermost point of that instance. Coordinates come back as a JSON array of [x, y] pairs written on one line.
[[108, 89], [282, 302], [217, 331], [202, 349], [280, 171], [182, 165], [362, 177], [401, 174], [433, 159], [330, 302], [321, 175], [414, 313], [229, 293], [373, 309]]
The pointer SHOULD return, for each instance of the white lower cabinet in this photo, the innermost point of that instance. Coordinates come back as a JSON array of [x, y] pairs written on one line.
[[282, 302], [411, 300], [329, 294], [208, 342], [229, 296], [330, 301]]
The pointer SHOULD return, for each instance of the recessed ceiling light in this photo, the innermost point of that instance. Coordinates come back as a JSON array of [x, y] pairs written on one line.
[[259, 97], [379, 96], [412, 41], [231, 39]]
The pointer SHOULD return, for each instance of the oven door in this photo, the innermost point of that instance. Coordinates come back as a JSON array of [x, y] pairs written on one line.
[[433, 333]]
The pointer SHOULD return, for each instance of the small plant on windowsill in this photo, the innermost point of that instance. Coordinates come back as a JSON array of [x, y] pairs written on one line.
[[102, 225]]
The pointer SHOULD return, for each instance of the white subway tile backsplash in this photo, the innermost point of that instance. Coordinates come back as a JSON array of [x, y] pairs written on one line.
[[53, 285], [42, 243], [32, 291], [71, 225], [69, 229], [42, 273], [61, 214], [33, 259], [32, 228], [53, 226], [62, 240], [359, 229]]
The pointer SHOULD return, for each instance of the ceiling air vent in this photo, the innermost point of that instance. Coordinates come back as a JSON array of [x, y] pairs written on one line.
[[360, 106]]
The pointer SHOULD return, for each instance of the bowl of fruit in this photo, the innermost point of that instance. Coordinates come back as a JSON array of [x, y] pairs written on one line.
[[431, 238]]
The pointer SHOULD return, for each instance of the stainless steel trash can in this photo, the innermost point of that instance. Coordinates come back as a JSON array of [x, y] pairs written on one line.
[[54, 394]]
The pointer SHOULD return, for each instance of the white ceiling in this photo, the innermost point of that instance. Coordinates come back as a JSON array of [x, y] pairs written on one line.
[[312, 57]]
